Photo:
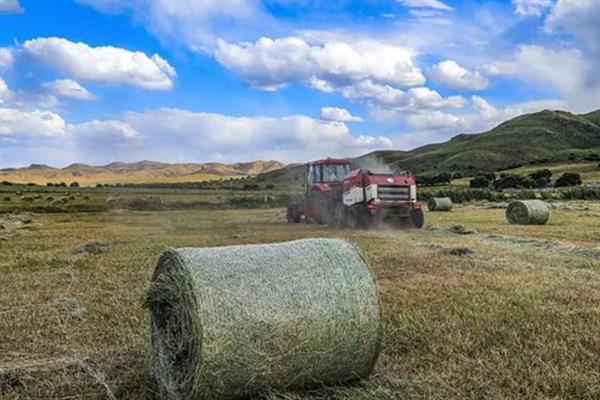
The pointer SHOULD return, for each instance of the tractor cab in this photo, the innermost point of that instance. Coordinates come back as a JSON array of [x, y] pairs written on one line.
[[322, 175]]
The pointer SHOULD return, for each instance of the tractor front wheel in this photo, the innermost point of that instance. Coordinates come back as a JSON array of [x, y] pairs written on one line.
[[357, 217], [293, 213]]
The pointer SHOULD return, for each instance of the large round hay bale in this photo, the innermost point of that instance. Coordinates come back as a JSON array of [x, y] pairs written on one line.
[[240, 320], [439, 204], [528, 212]]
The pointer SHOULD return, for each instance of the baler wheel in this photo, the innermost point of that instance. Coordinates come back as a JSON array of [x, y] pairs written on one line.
[[417, 218]]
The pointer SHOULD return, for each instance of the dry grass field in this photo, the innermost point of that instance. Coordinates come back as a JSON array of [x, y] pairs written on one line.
[[504, 312]]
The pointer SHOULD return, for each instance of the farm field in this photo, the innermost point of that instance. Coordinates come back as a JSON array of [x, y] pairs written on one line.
[[503, 312]]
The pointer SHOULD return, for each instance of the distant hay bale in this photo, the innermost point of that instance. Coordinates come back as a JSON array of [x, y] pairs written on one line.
[[235, 321], [528, 212], [439, 204]]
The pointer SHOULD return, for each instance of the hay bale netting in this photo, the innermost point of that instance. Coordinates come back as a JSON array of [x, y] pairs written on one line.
[[528, 212], [240, 320], [439, 204]]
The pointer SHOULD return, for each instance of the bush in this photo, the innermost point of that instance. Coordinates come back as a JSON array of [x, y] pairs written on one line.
[[6, 183], [443, 178], [479, 182], [541, 174], [512, 181], [457, 175], [31, 184], [74, 184], [269, 186], [7, 198], [62, 184], [568, 179], [49, 184]]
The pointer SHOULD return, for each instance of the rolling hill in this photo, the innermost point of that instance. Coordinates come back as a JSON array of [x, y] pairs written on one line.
[[136, 172], [545, 137]]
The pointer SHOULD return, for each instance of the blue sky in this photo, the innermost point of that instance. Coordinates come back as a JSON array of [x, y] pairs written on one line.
[[194, 81]]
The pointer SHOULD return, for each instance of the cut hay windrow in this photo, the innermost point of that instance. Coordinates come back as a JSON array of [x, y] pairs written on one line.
[[439, 204], [235, 321], [528, 212]]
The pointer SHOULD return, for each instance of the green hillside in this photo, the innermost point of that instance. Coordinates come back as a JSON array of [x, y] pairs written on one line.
[[543, 138]]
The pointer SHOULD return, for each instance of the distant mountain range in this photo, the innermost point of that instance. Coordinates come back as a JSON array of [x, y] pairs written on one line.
[[544, 137], [136, 172]]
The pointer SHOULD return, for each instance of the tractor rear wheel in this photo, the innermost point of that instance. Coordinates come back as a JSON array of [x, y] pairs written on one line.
[[293, 213], [338, 220], [417, 218], [357, 217]]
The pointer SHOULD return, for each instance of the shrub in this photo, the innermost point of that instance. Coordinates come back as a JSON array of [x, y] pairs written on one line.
[[99, 185], [62, 184], [479, 182], [269, 186], [568, 179], [457, 175], [31, 184], [490, 176], [6, 183], [541, 174], [49, 184], [74, 184], [592, 157], [512, 181], [7, 198], [443, 178]]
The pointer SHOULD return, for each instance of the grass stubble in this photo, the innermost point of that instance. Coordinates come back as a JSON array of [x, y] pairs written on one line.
[[505, 320]]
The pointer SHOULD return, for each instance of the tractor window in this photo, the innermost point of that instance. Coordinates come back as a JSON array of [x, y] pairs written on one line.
[[335, 172], [311, 175]]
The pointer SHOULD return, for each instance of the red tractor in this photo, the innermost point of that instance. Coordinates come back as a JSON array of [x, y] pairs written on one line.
[[360, 198]]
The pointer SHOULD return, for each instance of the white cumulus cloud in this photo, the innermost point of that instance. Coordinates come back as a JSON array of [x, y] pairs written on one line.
[[68, 88], [274, 63], [338, 114], [104, 64], [14, 122], [449, 73], [10, 7]]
